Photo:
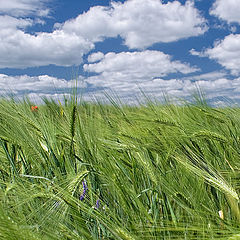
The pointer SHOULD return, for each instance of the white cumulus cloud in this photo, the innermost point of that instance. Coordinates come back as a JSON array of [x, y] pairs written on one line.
[[135, 67], [20, 8], [216, 85], [94, 57], [227, 53], [8, 22], [33, 84], [227, 10], [21, 50], [214, 88], [37, 87], [196, 53], [140, 23]]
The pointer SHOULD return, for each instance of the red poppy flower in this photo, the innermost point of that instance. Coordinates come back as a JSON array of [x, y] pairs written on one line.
[[34, 108]]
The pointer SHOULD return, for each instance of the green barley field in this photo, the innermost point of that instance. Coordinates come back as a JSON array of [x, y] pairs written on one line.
[[79, 170]]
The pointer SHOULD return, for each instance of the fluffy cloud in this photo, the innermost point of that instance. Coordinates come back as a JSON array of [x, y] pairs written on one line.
[[185, 87], [21, 50], [227, 53], [140, 23], [128, 72], [211, 76], [94, 57], [134, 67], [20, 8], [37, 87], [181, 88], [44, 84], [8, 22], [196, 53], [216, 86], [226, 10]]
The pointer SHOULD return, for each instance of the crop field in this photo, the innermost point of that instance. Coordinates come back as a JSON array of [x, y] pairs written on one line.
[[79, 170]]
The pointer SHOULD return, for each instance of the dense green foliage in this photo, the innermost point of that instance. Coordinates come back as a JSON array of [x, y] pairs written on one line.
[[94, 171]]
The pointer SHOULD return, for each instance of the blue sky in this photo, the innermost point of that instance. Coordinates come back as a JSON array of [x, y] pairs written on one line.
[[121, 46]]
